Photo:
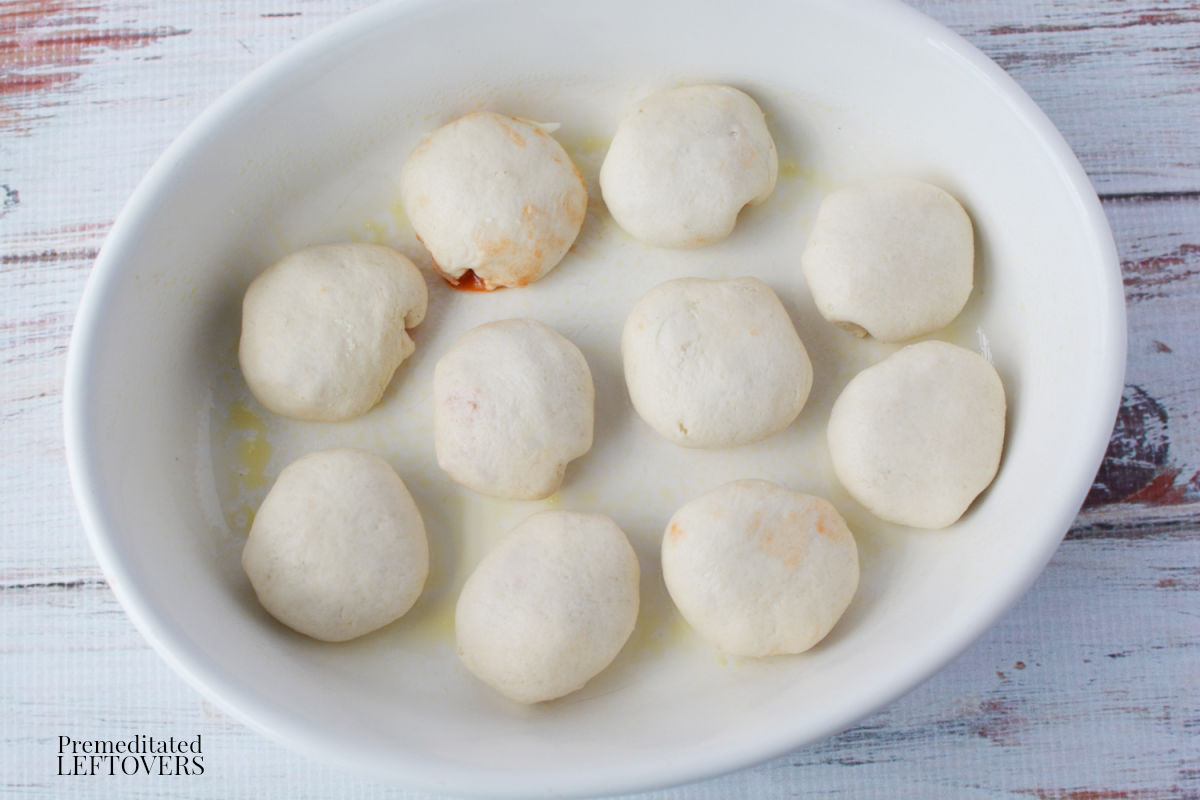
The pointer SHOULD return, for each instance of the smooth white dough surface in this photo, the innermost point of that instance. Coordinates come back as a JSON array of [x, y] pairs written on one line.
[[513, 404], [714, 363], [493, 194], [758, 569], [324, 329], [893, 258], [338, 547], [684, 162], [549, 607], [916, 437]]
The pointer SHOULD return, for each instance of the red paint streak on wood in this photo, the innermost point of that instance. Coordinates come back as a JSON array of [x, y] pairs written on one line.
[[39, 40], [1164, 491], [1110, 21], [1150, 277], [84, 254], [14, 13], [998, 721], [1080, 793]]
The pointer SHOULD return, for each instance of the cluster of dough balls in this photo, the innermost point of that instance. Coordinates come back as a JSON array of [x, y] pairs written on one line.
[[338, 547], [917, 437]]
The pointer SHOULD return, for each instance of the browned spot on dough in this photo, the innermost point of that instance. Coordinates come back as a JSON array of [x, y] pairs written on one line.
[[572, 210], [513, 133], [782, 542], [497, 247], [674, 532]]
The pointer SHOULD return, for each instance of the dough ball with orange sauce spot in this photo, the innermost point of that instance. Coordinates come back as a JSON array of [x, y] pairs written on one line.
[[685, 162], [495, 195], [513, 403], [760, 570]]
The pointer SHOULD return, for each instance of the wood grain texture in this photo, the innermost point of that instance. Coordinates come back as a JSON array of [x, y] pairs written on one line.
[[1088, 689]]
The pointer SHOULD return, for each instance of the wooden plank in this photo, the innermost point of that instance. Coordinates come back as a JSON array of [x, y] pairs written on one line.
[[1121, 80], [1154, 456]]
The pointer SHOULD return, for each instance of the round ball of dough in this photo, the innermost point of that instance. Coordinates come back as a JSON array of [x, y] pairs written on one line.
[[324, 329], [684, 162], [916, 437], [759, 570], [714, 363], [496, 195], [337, 548], [513, 403], [549, 607], [894, 259]]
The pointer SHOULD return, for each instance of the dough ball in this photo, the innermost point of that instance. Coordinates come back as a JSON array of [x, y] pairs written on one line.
[[759, 570], [337, 548], [714, 363], [496, 195], [512, 404], [685, 162], [893, 259], [549, 607], [323, 329], [916, 437]]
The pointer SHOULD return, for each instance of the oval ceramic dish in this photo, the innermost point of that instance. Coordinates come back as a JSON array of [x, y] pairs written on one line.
[[169, 454]]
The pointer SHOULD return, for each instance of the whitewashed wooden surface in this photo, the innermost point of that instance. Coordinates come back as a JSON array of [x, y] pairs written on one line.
[[1088, 690]]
